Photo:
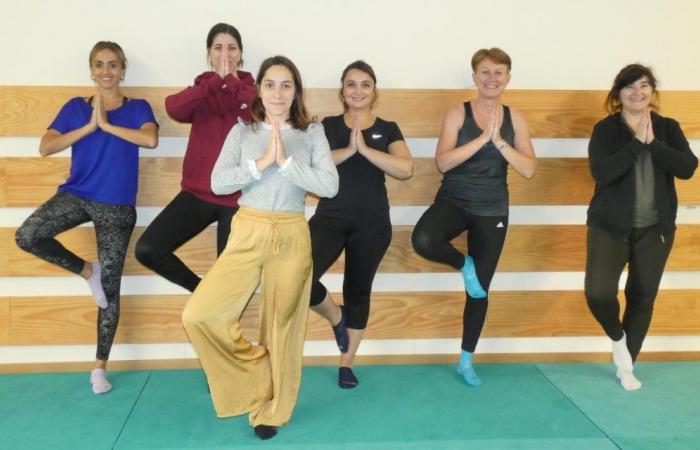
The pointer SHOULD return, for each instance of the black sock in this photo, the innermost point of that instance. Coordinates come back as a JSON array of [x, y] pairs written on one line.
[[347, 379], [265, 431]]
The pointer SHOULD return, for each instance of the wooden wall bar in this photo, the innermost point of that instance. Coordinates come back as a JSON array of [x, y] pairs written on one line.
[[400, 315], [558, 181], [27, 110], [528, 248]]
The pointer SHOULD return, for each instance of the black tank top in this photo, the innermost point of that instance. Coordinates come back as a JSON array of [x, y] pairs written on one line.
[[479, 185]]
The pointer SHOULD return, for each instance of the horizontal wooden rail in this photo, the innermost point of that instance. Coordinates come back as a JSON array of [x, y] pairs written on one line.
[[71, 320], [28, 110]]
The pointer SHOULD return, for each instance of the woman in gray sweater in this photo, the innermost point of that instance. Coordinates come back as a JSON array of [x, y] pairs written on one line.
[[273, 161]]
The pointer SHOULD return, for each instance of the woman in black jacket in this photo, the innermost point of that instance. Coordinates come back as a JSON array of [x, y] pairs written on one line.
[[634, 156]]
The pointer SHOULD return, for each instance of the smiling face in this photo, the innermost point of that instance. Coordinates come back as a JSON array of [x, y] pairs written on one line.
[[491, 78], [277, 91], [225, 44], [636, 97], [107, 69], [358, 90]]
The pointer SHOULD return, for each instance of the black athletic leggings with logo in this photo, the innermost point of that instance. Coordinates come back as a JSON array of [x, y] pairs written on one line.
[[441, 223], [645, 252], [182, 219], [113, 227], [365, 242]]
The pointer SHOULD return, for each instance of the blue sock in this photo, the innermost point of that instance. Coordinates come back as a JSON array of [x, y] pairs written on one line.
[[466, 369], [471, 282]]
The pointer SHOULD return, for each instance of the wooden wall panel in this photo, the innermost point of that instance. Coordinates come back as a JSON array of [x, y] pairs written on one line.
[[27, 110], [71, 320], [4, 320], [528, 248], [558, 181]]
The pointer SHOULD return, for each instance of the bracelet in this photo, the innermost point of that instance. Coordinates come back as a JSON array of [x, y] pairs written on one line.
[[502, 146]]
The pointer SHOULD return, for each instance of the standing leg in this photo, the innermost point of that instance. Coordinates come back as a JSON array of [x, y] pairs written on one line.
[[283, 314], [113, 227], [649, 255], [183, 218], [485, 240], [605, 260], [365, 249]]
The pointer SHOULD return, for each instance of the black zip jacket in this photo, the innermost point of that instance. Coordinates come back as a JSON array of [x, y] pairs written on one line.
[[612, 152]]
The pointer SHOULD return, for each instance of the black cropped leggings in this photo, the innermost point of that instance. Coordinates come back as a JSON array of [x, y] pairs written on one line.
[[182, 219], [365, 242], [645, 252], [441, 223], [113, 227]]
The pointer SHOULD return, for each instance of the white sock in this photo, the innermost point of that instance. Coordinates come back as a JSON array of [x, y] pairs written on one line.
[[621, 354], [95, 283], [100, 383], [628, 381], [625, 367]]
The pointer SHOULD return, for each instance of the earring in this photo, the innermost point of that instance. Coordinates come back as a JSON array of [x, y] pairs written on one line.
[[122, 78], [92, 77]]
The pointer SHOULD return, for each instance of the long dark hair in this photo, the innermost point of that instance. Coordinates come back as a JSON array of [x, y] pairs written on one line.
[[298, 116], [629, 75]]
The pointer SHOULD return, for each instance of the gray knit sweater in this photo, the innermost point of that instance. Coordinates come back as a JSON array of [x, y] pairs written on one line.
[[309, 168]]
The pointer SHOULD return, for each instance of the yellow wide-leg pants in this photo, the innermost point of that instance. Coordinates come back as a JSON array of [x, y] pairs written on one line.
[[262, 379]]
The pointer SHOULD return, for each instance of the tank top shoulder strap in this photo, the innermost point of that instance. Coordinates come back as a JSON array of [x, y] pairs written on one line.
[[506, 115], [467, 111]]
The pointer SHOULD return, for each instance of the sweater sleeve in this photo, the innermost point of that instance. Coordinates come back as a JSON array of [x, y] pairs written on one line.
[[181, 106], [241, 90], [608, 163], [321, 177], [230, 173], [675, 155]]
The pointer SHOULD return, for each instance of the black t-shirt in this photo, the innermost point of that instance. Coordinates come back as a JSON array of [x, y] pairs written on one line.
[[362, 192]]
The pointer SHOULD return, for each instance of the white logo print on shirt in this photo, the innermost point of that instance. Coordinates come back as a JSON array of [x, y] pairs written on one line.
[[376, 136], [500, 225]]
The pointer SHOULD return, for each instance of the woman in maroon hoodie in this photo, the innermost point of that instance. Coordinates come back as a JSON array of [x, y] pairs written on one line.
[[213, 105]]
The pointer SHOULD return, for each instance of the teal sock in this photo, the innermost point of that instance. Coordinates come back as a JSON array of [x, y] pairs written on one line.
[[471, 282], [466, 369]]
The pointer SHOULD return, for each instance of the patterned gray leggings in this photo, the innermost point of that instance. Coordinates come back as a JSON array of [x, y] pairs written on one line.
[[113, 227]]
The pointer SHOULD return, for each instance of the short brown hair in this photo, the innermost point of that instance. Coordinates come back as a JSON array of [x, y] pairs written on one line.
[[108, 45], [495, 54], [630, 74], [298, 116]]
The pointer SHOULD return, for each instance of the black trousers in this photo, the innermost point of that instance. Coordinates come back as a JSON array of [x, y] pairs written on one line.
[[182, 219], [441, 223], [365, 242], [645, 252]]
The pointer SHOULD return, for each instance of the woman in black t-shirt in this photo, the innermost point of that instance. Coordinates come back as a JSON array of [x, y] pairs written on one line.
[[364, 148]]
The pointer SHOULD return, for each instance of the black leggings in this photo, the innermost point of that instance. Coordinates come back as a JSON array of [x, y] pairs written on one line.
[[183, 218], [113, 227], [441, 223], [646, 252], [365, 242]]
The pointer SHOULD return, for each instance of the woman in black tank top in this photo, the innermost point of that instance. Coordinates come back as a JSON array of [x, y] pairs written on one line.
[[478, 140]]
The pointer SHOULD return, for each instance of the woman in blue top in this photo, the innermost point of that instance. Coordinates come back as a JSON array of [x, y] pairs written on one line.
[[105, 132]]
